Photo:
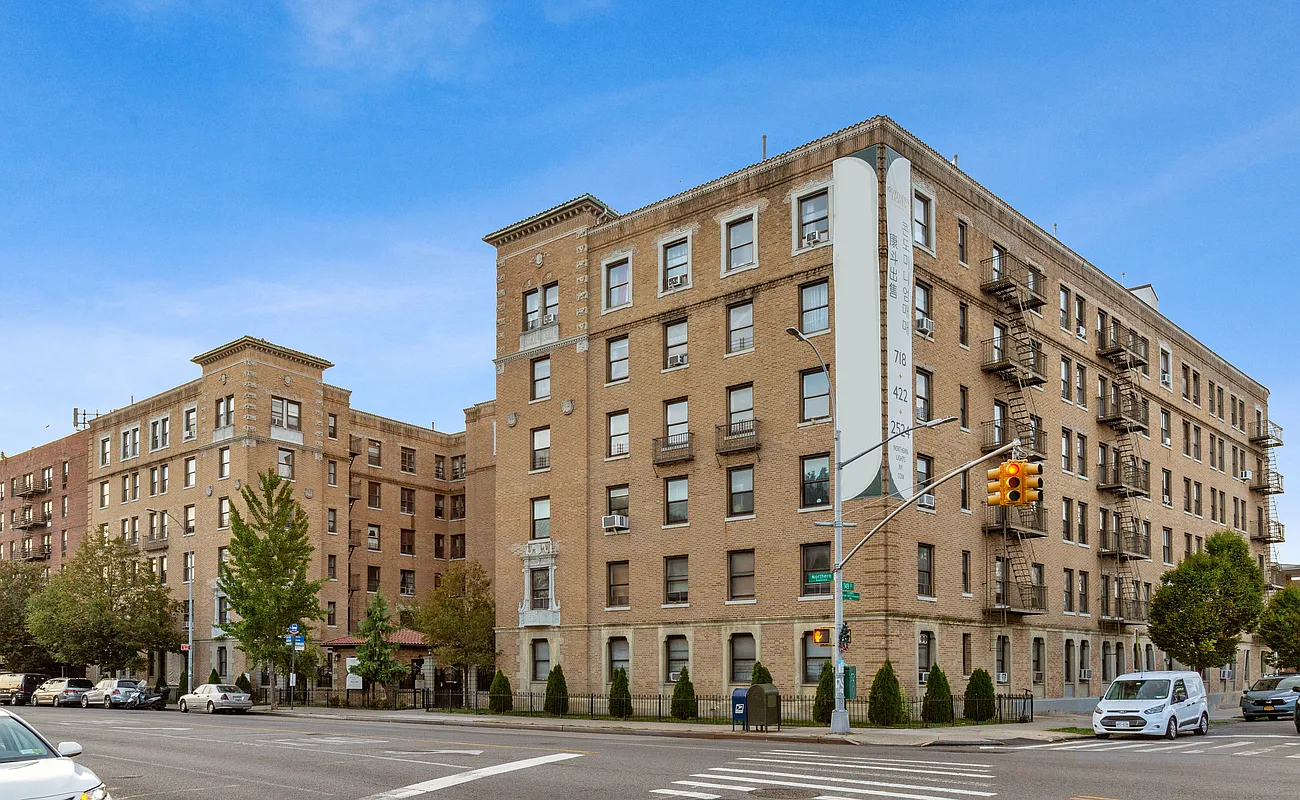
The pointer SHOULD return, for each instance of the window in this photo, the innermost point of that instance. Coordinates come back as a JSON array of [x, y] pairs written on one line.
[[1067, 439], [922, 222], [679, 656], [964, 489], [1196, 387], [740, 575], [925, 570], [677, 422], [814, 307], [1081, 455], [191, 518], [541, 517], [1003, 659], [1166, 369], [620, 655], [440, 467], [439, 545], [541, 659], [225, 415], [458, 506], [1067, 519], [1164, 427], [1167, 488], [1083, 592], [921, 299], [286, 414], [374, 494], [407, 500], [375, 453], [675, 492], [187, 567], [223, 618], [744, 652], [105, 451], [961, 242], [924, 472], [815, 558], [740, 410], [814, 219], [1080, 317], [676, 573], [616, 500], [406, 586], [332, 427], [103, 494], [223, 463], [153, 481], [675, 354], [1065, 309], [372, 579], [923, 384], [618, 284], [1068, 586], [1196, 498], [223, 514], [815, 395], [373, 538], [541, 378], [540, 588], [965, 572], [331, 613], [617, 351], [740, 328], [1065, 379], [1080, 385], [541, 458], [963, 331], [963, 407], [332, 473], [740, 491], [816, 482], [541, 306], [284, 464], [439, 506], [814, 657], [160, 433], [676, 263], [332, 567]]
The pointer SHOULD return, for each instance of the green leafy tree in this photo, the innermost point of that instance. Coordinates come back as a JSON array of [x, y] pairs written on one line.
[[376, 663], [1279, 627], [244, 684], [824, 700], [683, 705], [1203, 606], [980, 702], [760, 674], [104, 607], [458, 617], [214, 676], [620, 696], [937, 704], [500, 698], [266, 577], [885, 703], [19, 651], [557, 693]]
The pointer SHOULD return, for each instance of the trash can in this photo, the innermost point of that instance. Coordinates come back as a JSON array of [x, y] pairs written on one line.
[[763, 706], [738, 709]]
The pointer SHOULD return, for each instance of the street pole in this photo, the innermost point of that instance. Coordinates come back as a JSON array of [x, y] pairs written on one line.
[[189, 559]]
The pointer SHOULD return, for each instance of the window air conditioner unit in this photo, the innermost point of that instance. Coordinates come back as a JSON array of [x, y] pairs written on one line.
[[618, 449], [922, 677], [1002, 677], [550, 319], [614, 522], [1038, 677], [926, 501], [1085, 674], [674, 676], [1225, 674], [534, 324], [1167, 381], [679, 360], [813, 238], [1246, 475], [925, 326], [1081, 332], [676, 281]]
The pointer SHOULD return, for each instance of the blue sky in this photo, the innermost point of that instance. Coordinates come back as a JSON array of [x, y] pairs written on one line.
[[174, 174]]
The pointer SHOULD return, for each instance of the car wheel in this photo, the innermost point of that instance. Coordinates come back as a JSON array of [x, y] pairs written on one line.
[[211, 708], [1171, 730], [1202, 727], [107, 703], [184, 708], [85, 701]]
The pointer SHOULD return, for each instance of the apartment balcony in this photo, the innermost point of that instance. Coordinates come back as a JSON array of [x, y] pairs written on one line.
[[1123, 412], [37, 553], [997, 433], [1274, 577], [1266, 434], [354, 581], [543, 331], [671, 449], [1125, 545], [1273, 532], [356, 535], [1029, 522], [1013, 281], [1122, 346], [546, 614], [1004, 357], [1126, 480], [1268, 481], [1016, 598], [355, 488], [1126, 611], [30, 520], [36, 487], [356, 445], [737, 437], [152, 544]]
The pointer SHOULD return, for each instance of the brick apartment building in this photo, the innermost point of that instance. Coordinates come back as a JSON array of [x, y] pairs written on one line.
[[665, 447], [43, 502], [386, 499]]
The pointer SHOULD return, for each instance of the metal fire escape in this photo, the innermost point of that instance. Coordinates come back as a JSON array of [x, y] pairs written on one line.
[[1268, 529]]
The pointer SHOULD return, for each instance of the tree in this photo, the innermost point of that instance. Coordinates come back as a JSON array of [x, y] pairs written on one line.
[[760, 674], [885, 703], [1204, 605], [266, 577], [1279, 627], [19, 651], [104, 607], [683, 705], [620, 696], [557, 693], [244, 684], [375, 662], [183, 685], [458, 617], [937, 704], [500, 698], [980, 701], [824, 700]]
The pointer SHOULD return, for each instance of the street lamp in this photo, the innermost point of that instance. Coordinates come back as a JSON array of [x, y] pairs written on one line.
[[189, 541], [840, 716]]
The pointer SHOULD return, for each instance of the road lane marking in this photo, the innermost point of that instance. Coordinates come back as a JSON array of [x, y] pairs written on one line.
[[703, 785], [878, 767], [744, 776], [1170, 747], [472, 775], [433, 752], [681, 793], [881, 760], [851, 789], [120, 796], [1226, 746], [202, 772]]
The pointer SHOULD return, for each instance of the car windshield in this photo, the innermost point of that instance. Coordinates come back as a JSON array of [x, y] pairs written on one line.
[[1138, 690], [1265, 684], [225, 687], [18, 743]]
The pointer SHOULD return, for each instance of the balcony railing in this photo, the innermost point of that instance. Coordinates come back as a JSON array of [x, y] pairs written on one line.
[[356, 445], [1268, 481], [1273, 577], [541, 459], [356, 535], [1125, 544], [1122, 346], [152, 543], [1123, 411], [31, 519], [1128, 480], [1017, 598], [354, 581], [1014, 281], [1266, 434], [1125, 611], [1003, 357], [996, 433], [1027, 521], [37, 553], [37, 486], [1273, 532], [671, 449], [737, 437]]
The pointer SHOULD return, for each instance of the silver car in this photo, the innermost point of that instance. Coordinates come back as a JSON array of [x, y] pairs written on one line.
[[110, 693], [62, 691], [30, 766], [214, 697]]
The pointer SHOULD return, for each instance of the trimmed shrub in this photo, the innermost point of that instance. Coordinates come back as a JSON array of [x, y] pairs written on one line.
[[183, 685], [620, 696], [683, 706], [161, 685], [937, 706], [213, 677], [885, 703], [557, 693], [980, 700], [500, 698], [761, 675], [244, 684], [824, 702]]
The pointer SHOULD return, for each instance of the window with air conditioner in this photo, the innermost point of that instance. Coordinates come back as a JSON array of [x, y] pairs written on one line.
[[675, 344], [676, 579], [814, 220], [675, 264], [678, 657]]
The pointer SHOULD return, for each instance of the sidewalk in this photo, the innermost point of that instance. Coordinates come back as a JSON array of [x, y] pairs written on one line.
[[1036, 731]]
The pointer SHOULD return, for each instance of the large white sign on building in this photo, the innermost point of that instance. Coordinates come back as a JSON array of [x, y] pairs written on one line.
[[898, 319]]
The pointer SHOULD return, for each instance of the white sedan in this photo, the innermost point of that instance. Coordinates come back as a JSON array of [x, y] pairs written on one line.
[[214, 697], [31, 768]]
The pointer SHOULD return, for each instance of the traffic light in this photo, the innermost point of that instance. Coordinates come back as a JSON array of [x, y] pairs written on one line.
[[824, 636], [996, 497], [1031, 484], [1004, 484]]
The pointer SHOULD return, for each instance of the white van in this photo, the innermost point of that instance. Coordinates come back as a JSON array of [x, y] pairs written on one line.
[[1153, 703]]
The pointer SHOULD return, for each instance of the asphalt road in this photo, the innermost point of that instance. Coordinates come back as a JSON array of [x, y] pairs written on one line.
[[173, 756]]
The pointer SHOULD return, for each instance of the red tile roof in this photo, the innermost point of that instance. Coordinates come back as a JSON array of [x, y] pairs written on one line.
[[402, 636]]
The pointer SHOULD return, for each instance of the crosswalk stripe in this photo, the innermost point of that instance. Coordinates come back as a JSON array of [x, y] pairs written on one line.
[[1165, 749], [746, 773], [848, 789], [1226, 746], [877, 767], [680, 793], [875, 760], [1104, 747], [703, 785]]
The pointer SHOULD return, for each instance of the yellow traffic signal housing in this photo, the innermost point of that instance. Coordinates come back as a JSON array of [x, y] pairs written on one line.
[[824, 636], [1012, 482], [1031, 483], [996, 490]]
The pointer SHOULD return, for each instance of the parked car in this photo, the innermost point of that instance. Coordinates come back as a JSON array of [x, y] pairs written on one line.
[[214, 697], [1153, 703], [16, 688], [62, 691], [110, 693], [1297, 717], [31, 767], [1272, 696]]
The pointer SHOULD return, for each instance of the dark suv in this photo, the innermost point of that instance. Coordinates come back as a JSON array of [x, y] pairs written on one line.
[[16, 688]]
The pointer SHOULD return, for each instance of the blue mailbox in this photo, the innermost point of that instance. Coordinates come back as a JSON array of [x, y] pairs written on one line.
[[739, 713]]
